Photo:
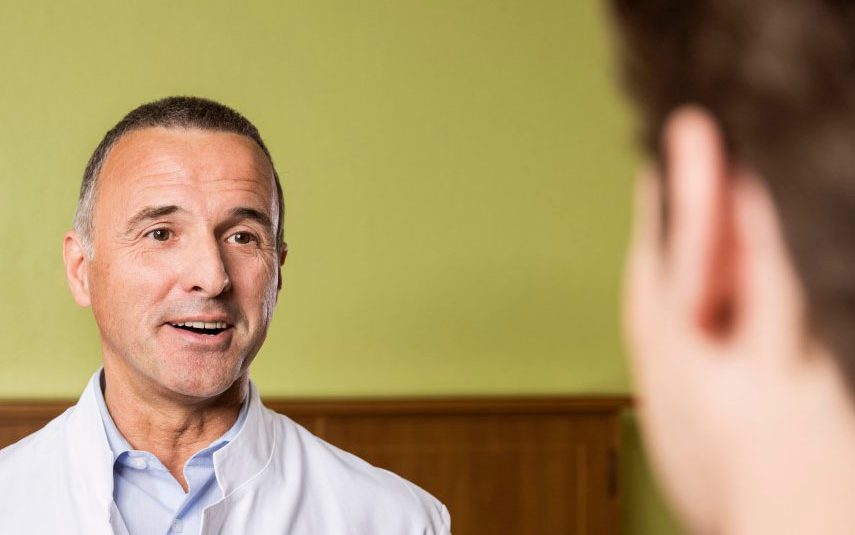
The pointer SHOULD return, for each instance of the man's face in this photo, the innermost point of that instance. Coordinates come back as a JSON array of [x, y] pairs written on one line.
[[185, 272]]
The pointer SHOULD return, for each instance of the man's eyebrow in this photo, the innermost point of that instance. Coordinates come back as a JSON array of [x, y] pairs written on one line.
[[251, 213], [150, 212]]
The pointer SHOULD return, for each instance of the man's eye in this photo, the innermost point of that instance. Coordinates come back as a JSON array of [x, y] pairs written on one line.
[[160, 234], [242, 238]]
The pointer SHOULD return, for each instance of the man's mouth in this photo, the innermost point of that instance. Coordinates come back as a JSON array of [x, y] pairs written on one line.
[[211, 328]]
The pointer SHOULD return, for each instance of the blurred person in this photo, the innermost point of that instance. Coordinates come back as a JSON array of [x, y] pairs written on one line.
[[740, 281], [177, 247]]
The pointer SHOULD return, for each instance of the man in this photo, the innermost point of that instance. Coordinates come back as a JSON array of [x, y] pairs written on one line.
[[178, 246], [740, 290]]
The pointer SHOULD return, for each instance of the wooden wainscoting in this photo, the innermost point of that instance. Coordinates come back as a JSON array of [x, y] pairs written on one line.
[[503, 466]]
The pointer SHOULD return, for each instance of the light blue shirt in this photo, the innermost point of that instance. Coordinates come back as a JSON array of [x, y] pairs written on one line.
[[149, 499]]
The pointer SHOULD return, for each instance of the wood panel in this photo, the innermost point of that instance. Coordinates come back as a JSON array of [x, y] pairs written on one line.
[[502, 466]]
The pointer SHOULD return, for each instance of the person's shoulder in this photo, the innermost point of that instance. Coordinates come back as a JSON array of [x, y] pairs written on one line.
[[35, 449], [30, 476], [352, 480]]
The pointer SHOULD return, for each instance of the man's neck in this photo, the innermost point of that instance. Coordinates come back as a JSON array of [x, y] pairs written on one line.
[[173, 431], [818, 504], [798, 473]]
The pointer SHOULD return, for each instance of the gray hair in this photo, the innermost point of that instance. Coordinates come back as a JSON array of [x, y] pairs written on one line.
[[170, 112]]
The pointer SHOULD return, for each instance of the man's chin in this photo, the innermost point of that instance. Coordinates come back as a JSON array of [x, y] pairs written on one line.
[[196, 385]]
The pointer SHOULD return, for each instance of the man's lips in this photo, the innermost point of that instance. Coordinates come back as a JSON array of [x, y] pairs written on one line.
[[214, 339], [201, 326]]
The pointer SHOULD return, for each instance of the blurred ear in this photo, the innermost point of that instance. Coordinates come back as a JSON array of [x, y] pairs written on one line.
[[283, 253], [76, 268], [702, 252]]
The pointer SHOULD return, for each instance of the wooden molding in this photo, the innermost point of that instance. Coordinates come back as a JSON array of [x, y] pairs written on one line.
[[450, 405]]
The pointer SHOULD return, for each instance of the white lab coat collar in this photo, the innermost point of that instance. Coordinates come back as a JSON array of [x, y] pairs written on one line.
[[234, 464], [88, 443], [249, 452]]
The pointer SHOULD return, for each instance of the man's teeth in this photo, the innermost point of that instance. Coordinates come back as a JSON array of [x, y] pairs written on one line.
[[203, 324]]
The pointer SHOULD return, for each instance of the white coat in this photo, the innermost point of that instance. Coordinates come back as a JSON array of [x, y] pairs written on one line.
[[277, 478]]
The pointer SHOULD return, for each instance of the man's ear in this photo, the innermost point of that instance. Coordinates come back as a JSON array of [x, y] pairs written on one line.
[[76, 268], [702, 251], [283, 253]]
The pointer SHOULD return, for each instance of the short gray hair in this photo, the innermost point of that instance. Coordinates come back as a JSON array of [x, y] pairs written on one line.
[[169, 112]]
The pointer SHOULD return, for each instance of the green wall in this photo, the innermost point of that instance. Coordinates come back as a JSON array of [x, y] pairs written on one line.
[[457, 176]]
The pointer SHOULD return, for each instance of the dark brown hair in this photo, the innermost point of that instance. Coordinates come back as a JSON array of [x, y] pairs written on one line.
[[170, 112], [779, 77]]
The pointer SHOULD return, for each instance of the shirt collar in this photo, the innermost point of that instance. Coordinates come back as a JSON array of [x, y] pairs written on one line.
[[118, 443], [247, 455]]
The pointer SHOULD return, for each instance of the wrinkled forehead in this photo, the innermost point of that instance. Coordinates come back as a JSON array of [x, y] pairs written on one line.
[[165, 164]]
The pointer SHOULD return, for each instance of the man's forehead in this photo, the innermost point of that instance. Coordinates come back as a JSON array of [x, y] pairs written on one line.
[[165, 148], [192, 168], [161, 157]]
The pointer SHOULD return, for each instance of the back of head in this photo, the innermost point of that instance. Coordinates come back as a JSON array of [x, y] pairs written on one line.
[[778, 76]]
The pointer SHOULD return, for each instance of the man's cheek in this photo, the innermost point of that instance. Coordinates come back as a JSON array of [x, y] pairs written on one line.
[[640, 314]]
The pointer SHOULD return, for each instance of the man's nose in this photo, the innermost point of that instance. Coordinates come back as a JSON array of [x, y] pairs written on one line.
[[205, 270]]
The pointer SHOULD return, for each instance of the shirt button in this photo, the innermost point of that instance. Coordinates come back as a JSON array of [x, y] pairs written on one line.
[[177, 525], [139, 463]]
